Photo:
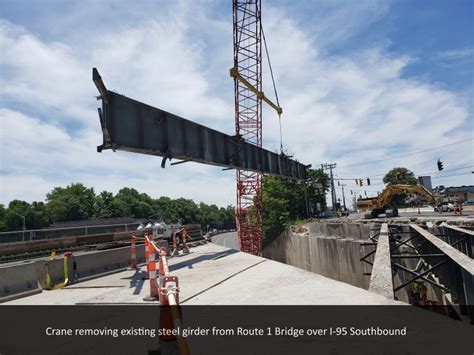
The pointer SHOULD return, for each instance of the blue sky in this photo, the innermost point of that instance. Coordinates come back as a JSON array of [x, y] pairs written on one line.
[[359, 81]]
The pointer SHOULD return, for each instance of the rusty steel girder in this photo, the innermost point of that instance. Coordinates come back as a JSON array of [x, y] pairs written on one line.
[[133, 126]]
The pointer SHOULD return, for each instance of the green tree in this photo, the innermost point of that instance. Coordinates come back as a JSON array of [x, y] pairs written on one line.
[[209, 215], [227, 217], [3, 222], [13, 215], [102, 205], [163, 209], [316, 185], [400, 175], [38, 216], [130, 203], [77, 202], [286, 200], [186, 210], [72, 203]]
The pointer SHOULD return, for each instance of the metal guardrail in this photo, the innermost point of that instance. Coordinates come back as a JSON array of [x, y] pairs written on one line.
[[51, 233]]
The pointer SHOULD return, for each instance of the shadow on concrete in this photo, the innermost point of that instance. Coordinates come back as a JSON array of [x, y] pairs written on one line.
[[210, 256], [137, 280], [84, 287]]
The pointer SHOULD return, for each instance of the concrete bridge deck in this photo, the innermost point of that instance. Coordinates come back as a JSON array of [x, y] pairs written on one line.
[[215, 275]]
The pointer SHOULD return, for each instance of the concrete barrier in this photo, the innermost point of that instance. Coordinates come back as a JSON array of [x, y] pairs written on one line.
[[21, 280], [333, 250]]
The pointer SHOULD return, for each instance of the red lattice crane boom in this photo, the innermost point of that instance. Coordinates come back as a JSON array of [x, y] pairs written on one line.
[[248, 119], [247, 74]]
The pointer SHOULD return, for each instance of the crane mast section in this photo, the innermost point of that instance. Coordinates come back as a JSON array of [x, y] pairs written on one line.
[[247, 76]]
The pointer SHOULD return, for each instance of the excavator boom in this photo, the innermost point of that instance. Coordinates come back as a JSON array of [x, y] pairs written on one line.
[[383, 203]]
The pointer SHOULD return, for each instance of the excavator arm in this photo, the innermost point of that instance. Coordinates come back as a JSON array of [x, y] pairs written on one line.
[[385, 198], [383, 203]]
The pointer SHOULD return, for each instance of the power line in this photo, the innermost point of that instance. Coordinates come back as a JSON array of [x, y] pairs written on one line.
[[443, 155], [441, 172], [408, 154], [373, 177], [445, 176], [431, 161]]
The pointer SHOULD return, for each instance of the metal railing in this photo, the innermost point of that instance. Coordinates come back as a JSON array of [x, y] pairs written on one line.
[[51, 233]]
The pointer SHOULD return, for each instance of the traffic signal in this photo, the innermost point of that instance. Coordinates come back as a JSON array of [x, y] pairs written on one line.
[[357, 181], [338, 183], [361, 182], [440, 165], [368, 182]]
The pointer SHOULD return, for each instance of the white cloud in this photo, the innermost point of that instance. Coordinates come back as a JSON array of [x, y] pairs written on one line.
[[38, 156], [44, 77], [357, 107], [456, 54]]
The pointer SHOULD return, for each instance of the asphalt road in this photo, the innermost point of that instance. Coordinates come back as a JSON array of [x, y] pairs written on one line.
[[228, 240], [422, 214]]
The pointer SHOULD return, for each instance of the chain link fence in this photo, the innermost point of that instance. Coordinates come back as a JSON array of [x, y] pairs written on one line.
[[51, 233]]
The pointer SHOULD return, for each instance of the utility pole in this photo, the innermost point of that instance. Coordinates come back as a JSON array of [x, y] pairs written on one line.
[[333, 190], [343, 197]]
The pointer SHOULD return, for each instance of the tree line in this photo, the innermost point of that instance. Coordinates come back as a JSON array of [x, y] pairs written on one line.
[[285, 201], [77, 202]]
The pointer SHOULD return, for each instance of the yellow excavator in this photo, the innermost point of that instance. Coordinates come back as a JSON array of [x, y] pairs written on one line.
[[382, 204]]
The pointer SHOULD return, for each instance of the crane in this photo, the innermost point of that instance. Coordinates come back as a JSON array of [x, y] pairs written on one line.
[[248, 97]]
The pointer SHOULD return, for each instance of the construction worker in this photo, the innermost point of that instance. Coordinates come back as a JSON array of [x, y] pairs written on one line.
[[458, 209], [418, 295]]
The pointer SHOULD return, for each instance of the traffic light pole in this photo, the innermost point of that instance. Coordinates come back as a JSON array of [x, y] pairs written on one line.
[[333, 190], [343, 197]]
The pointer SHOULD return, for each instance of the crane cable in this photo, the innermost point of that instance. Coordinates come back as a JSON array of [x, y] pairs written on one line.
[[274, 84]]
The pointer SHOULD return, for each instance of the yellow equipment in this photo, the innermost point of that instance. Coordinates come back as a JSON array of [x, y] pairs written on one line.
[[382, 204], [48, 279]]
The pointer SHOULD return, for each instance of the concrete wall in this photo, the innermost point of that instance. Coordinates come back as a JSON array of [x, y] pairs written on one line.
[[330, 249], [19, 280], [357, 231], [334, 249]]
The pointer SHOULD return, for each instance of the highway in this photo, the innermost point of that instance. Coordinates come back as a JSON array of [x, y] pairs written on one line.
[[228, 240]]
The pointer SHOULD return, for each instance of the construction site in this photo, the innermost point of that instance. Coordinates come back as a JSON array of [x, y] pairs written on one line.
[[374, 275]]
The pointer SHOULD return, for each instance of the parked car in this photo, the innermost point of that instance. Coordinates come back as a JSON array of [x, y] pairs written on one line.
[[468, 203], [445, 207]]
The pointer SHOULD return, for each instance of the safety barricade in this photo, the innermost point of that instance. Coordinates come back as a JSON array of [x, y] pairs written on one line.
[[151, 267], [133, 253], [147, 254], [170, 310], [166, 291]]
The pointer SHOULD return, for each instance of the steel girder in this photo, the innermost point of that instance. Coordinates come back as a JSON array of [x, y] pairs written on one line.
[[133, 126]]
